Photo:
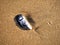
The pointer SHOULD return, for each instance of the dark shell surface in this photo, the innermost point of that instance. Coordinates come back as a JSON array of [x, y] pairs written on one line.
[[21, 22]]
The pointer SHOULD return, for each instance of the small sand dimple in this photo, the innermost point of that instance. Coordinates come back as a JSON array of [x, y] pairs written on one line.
[[36, 28], [50, 23]]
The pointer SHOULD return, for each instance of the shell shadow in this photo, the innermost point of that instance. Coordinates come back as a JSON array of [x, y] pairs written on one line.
[[30, 19]]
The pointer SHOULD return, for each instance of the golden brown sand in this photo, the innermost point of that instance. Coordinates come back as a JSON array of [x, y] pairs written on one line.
[[45, 13]]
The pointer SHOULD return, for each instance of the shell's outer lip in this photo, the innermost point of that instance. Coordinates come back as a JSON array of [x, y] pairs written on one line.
[[27, 23]]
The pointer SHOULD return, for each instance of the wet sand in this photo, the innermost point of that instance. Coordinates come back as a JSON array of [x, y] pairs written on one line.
[[46, 29]]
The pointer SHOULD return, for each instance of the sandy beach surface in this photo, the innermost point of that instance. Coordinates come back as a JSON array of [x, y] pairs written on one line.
[[46, 29]]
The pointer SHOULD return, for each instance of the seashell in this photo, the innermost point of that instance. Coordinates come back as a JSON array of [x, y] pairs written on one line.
[[23, 22]]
